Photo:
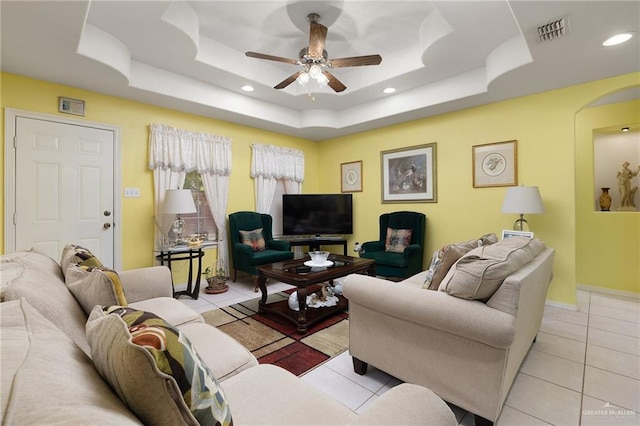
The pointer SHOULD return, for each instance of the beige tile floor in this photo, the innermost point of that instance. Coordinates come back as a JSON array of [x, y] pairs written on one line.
[[583, 369]]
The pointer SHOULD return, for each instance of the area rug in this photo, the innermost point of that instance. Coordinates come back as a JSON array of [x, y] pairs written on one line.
[[274, 340]]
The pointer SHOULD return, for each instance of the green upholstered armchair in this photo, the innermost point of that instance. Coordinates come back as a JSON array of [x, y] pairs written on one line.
[[400, 265], [247, 260]]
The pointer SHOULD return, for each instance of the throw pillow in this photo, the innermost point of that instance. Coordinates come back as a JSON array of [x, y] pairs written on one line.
[[154, 368], [397, 240], [72, 254], [436, 260], [253, 239], [95, 285], [444, 258], [479, 273]]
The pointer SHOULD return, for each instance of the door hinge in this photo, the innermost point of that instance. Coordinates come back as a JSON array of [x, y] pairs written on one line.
[[15, 222], [15, 142]]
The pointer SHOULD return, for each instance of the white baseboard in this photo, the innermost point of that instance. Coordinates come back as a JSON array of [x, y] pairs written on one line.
[[593, 289], [609, 291], [566, 306]]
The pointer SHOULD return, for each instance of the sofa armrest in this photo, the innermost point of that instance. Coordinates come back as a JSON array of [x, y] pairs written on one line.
[[243, 249], [146, 283], [372, 246], [411, 250], [280, 245], [466, 318], [407, 404]]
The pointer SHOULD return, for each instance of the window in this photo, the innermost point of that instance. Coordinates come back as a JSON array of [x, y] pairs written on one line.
[[201, 222]]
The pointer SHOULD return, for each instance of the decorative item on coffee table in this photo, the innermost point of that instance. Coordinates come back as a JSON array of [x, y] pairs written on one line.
[[216, 283]]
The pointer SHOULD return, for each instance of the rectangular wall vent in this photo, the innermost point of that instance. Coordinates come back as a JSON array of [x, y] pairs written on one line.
[[553, 30]]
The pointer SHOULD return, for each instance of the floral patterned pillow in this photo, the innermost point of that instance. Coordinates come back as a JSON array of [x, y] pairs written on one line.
[[253, 239], [397, 240]]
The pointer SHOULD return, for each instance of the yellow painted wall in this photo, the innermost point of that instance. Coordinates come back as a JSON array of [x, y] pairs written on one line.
[[607, 243], [133, 119], [543, 125]]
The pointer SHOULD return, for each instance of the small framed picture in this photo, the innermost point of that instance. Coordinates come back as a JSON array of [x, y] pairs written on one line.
[[495, 164], [351, 176], [506, 233], [409, 174]]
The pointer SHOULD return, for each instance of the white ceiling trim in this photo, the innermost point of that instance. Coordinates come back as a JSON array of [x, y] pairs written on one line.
[[440, 55]]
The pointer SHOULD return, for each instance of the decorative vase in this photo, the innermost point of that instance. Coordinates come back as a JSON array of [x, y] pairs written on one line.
[[605, 200]]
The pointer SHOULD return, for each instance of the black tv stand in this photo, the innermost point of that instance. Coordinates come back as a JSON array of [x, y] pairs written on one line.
[[314, 243]]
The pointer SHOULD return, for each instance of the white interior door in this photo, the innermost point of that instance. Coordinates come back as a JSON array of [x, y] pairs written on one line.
[[64, 187]]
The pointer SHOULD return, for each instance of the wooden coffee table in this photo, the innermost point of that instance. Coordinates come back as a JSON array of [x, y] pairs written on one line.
[[295, 272]]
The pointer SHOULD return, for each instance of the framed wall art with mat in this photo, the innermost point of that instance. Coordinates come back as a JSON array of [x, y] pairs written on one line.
[[495, 164], [351, 176], [409, 174]]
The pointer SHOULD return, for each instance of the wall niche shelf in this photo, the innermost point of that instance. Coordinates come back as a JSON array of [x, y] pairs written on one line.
[[611, 148]]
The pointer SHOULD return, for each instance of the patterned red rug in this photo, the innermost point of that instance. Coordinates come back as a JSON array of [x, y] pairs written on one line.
[[274, 340]]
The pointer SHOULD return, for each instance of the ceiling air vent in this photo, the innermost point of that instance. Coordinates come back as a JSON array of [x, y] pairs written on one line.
[[553, 30]]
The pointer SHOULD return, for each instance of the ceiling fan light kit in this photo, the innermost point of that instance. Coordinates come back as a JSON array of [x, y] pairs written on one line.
[[314, 72], [315, 60]]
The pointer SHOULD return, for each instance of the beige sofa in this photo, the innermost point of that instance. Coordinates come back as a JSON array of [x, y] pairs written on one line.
[[467, 351], [49, 377]]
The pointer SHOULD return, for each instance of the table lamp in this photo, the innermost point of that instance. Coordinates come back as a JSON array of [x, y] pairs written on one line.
[[178, 201], [521, 200]]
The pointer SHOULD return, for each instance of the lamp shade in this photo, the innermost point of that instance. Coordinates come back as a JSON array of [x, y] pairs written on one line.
[[178, 201], [523, 200]]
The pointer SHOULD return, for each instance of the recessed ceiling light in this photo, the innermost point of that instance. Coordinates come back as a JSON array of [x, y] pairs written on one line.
[[625, 129], [389, 90], [617, 39], [247, 88]]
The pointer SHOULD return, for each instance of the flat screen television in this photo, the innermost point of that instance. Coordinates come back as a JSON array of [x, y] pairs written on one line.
[[317, 214]]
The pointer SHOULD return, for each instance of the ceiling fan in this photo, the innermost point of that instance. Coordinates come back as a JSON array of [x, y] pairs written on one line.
[[315, 61]]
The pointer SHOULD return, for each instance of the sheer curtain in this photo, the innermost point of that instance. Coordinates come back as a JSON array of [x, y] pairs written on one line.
[[172, 153], [268, 165]]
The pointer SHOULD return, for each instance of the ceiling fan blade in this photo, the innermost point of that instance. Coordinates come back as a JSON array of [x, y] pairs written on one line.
[[287, 81], [334, 83], [271, 58], [355, 61], [317, 37]]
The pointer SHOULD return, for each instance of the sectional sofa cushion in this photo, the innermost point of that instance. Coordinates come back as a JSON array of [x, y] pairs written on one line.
[[94, 285], [479, 273], [254, 239], [74, 254], [444, 258], [41, 282], [397, 240], [47, 379], [154, 368]]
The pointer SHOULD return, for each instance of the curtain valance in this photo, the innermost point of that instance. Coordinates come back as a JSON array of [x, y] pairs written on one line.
[[183, 150], [275, 162]]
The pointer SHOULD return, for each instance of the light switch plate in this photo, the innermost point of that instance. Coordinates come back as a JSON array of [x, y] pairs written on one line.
[[131, 192]]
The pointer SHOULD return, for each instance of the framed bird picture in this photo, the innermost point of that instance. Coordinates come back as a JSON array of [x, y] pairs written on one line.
[[409, 174]]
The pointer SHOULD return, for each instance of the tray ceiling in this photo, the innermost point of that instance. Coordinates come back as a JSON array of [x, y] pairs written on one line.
[[440, 56]]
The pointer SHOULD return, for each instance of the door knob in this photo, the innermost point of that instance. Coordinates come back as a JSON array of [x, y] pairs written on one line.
[[106, 225], [107, 213]]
